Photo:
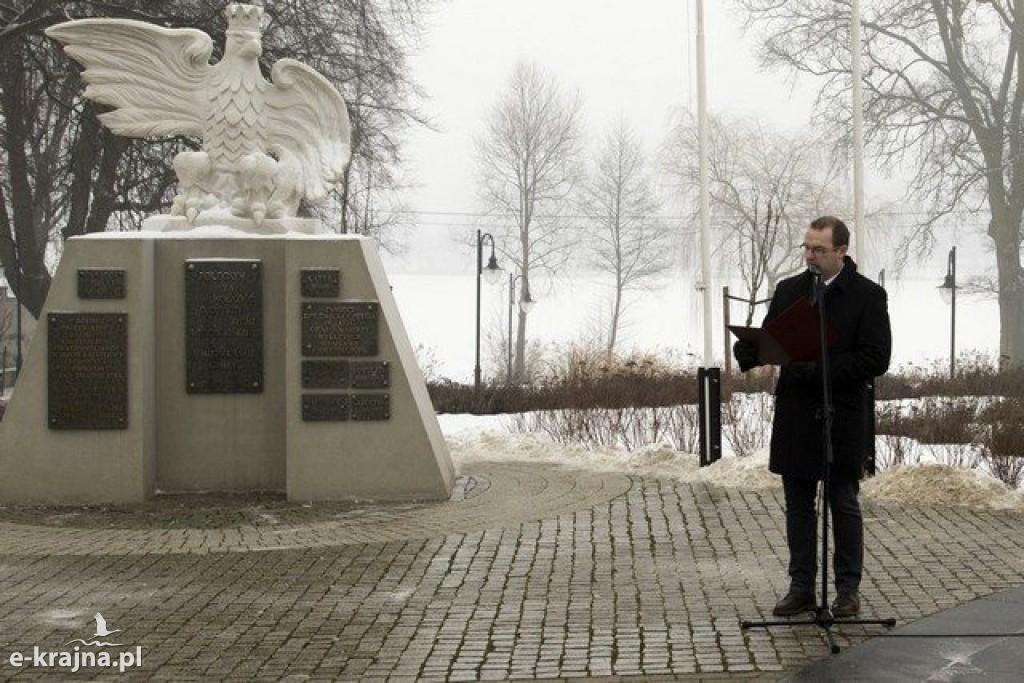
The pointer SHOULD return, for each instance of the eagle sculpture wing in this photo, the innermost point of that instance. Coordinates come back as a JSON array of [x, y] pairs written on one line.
[[307, 128], [153, 77]]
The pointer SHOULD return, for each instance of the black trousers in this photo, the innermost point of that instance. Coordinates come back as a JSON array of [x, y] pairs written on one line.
[[802, 533]]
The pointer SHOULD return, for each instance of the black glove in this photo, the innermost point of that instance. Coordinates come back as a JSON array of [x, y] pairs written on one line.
[[804, 371], [746, 354]]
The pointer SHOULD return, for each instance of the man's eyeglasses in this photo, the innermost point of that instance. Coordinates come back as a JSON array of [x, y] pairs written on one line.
[[817, 251]]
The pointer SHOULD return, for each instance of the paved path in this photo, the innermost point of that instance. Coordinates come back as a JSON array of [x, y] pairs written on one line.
[[531, 572]]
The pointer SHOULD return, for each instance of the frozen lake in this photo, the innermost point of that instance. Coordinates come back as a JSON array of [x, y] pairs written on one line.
[[439, 314]]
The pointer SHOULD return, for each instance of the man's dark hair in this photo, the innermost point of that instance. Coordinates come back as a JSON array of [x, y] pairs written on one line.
[[840, 233]]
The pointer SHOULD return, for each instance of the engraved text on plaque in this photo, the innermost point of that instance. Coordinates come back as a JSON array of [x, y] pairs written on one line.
[[98, 283], [223, 326], [325, 407], [371, 374], [87, 370], [344, 328], [325, 374], [371, 407], [320, 283]]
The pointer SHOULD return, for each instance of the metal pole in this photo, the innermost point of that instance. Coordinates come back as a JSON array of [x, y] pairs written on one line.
[[479, 272], [709, 407], [17, 314], [708, 378], [860, 230], [725, 330], [705, 230], [952, 314], [511, 307]]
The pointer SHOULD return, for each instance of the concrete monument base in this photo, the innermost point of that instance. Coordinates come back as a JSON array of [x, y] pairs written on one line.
[[216, 360]]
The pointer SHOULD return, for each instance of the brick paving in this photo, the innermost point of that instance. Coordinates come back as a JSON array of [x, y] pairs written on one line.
[[531, 572]]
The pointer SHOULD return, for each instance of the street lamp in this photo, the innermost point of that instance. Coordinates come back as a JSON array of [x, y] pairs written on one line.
[[493, 274], [948, 292], [525, 305]]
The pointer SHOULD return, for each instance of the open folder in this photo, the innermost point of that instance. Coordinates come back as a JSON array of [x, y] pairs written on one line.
[[792, 337]]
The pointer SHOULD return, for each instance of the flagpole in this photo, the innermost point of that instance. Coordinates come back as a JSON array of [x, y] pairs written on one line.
[[704, 284], [859, 229], [709, 396]]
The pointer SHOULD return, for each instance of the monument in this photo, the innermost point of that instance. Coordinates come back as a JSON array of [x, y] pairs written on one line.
[[229, 345]]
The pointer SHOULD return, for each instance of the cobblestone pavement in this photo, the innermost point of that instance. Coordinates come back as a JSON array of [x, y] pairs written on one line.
[[530, 572]]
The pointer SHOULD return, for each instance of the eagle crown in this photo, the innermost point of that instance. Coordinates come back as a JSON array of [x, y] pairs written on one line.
[[244, 17]]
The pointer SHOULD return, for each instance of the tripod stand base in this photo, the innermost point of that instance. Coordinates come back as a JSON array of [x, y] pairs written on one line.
[[824, 620]]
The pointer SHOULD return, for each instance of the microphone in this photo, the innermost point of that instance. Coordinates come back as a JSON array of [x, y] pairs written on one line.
[[816, 286]]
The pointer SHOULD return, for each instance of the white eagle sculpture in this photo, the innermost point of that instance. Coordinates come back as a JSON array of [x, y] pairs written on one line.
[[265, 146]]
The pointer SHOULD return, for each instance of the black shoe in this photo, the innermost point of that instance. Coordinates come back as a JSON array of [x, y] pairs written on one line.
[[795, 602], [846, 604]]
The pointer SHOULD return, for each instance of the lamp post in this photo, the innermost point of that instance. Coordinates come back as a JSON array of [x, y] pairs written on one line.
[[525, 305], [948, 292], [17, 316], [492, 272]]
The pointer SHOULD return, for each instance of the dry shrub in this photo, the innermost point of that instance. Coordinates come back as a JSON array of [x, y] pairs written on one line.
[[1004, 445], [1008, 469], [684, 428], [895, 451], [629, 428], [1005, 421], [579, 380], [746, 422], [744, 426], [958, 455], [583, 365], [976, 375], [937, 420]]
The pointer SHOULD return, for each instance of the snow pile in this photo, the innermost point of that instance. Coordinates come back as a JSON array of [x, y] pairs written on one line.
[[942, 484], [750, 472], [487, 439]]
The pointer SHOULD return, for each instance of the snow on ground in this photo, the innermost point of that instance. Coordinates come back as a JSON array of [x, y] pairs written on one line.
[[942, 484], [473, 438]]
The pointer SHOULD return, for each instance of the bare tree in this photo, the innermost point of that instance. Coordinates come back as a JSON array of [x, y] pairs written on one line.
[[65, 175], [765, 187], [630, 241], [943, 97], [529, 160]]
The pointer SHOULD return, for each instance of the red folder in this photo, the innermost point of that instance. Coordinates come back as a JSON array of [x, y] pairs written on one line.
[[792, 337]]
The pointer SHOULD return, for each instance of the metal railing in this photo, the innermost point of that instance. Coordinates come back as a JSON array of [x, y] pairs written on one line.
[[726, 321]]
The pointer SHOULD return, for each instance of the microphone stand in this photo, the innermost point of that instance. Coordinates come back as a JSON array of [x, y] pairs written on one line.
[[823, 617]]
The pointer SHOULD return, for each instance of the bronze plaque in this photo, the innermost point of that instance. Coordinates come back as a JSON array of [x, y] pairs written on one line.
[[344, 328], [87, 370], [97, 283], [320, 283], [325, 407], [325, 374], [371, 407], [371, 375], [224, 326]]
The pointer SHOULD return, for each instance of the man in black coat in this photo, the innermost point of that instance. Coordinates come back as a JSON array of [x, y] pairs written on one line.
[[856, 308]]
